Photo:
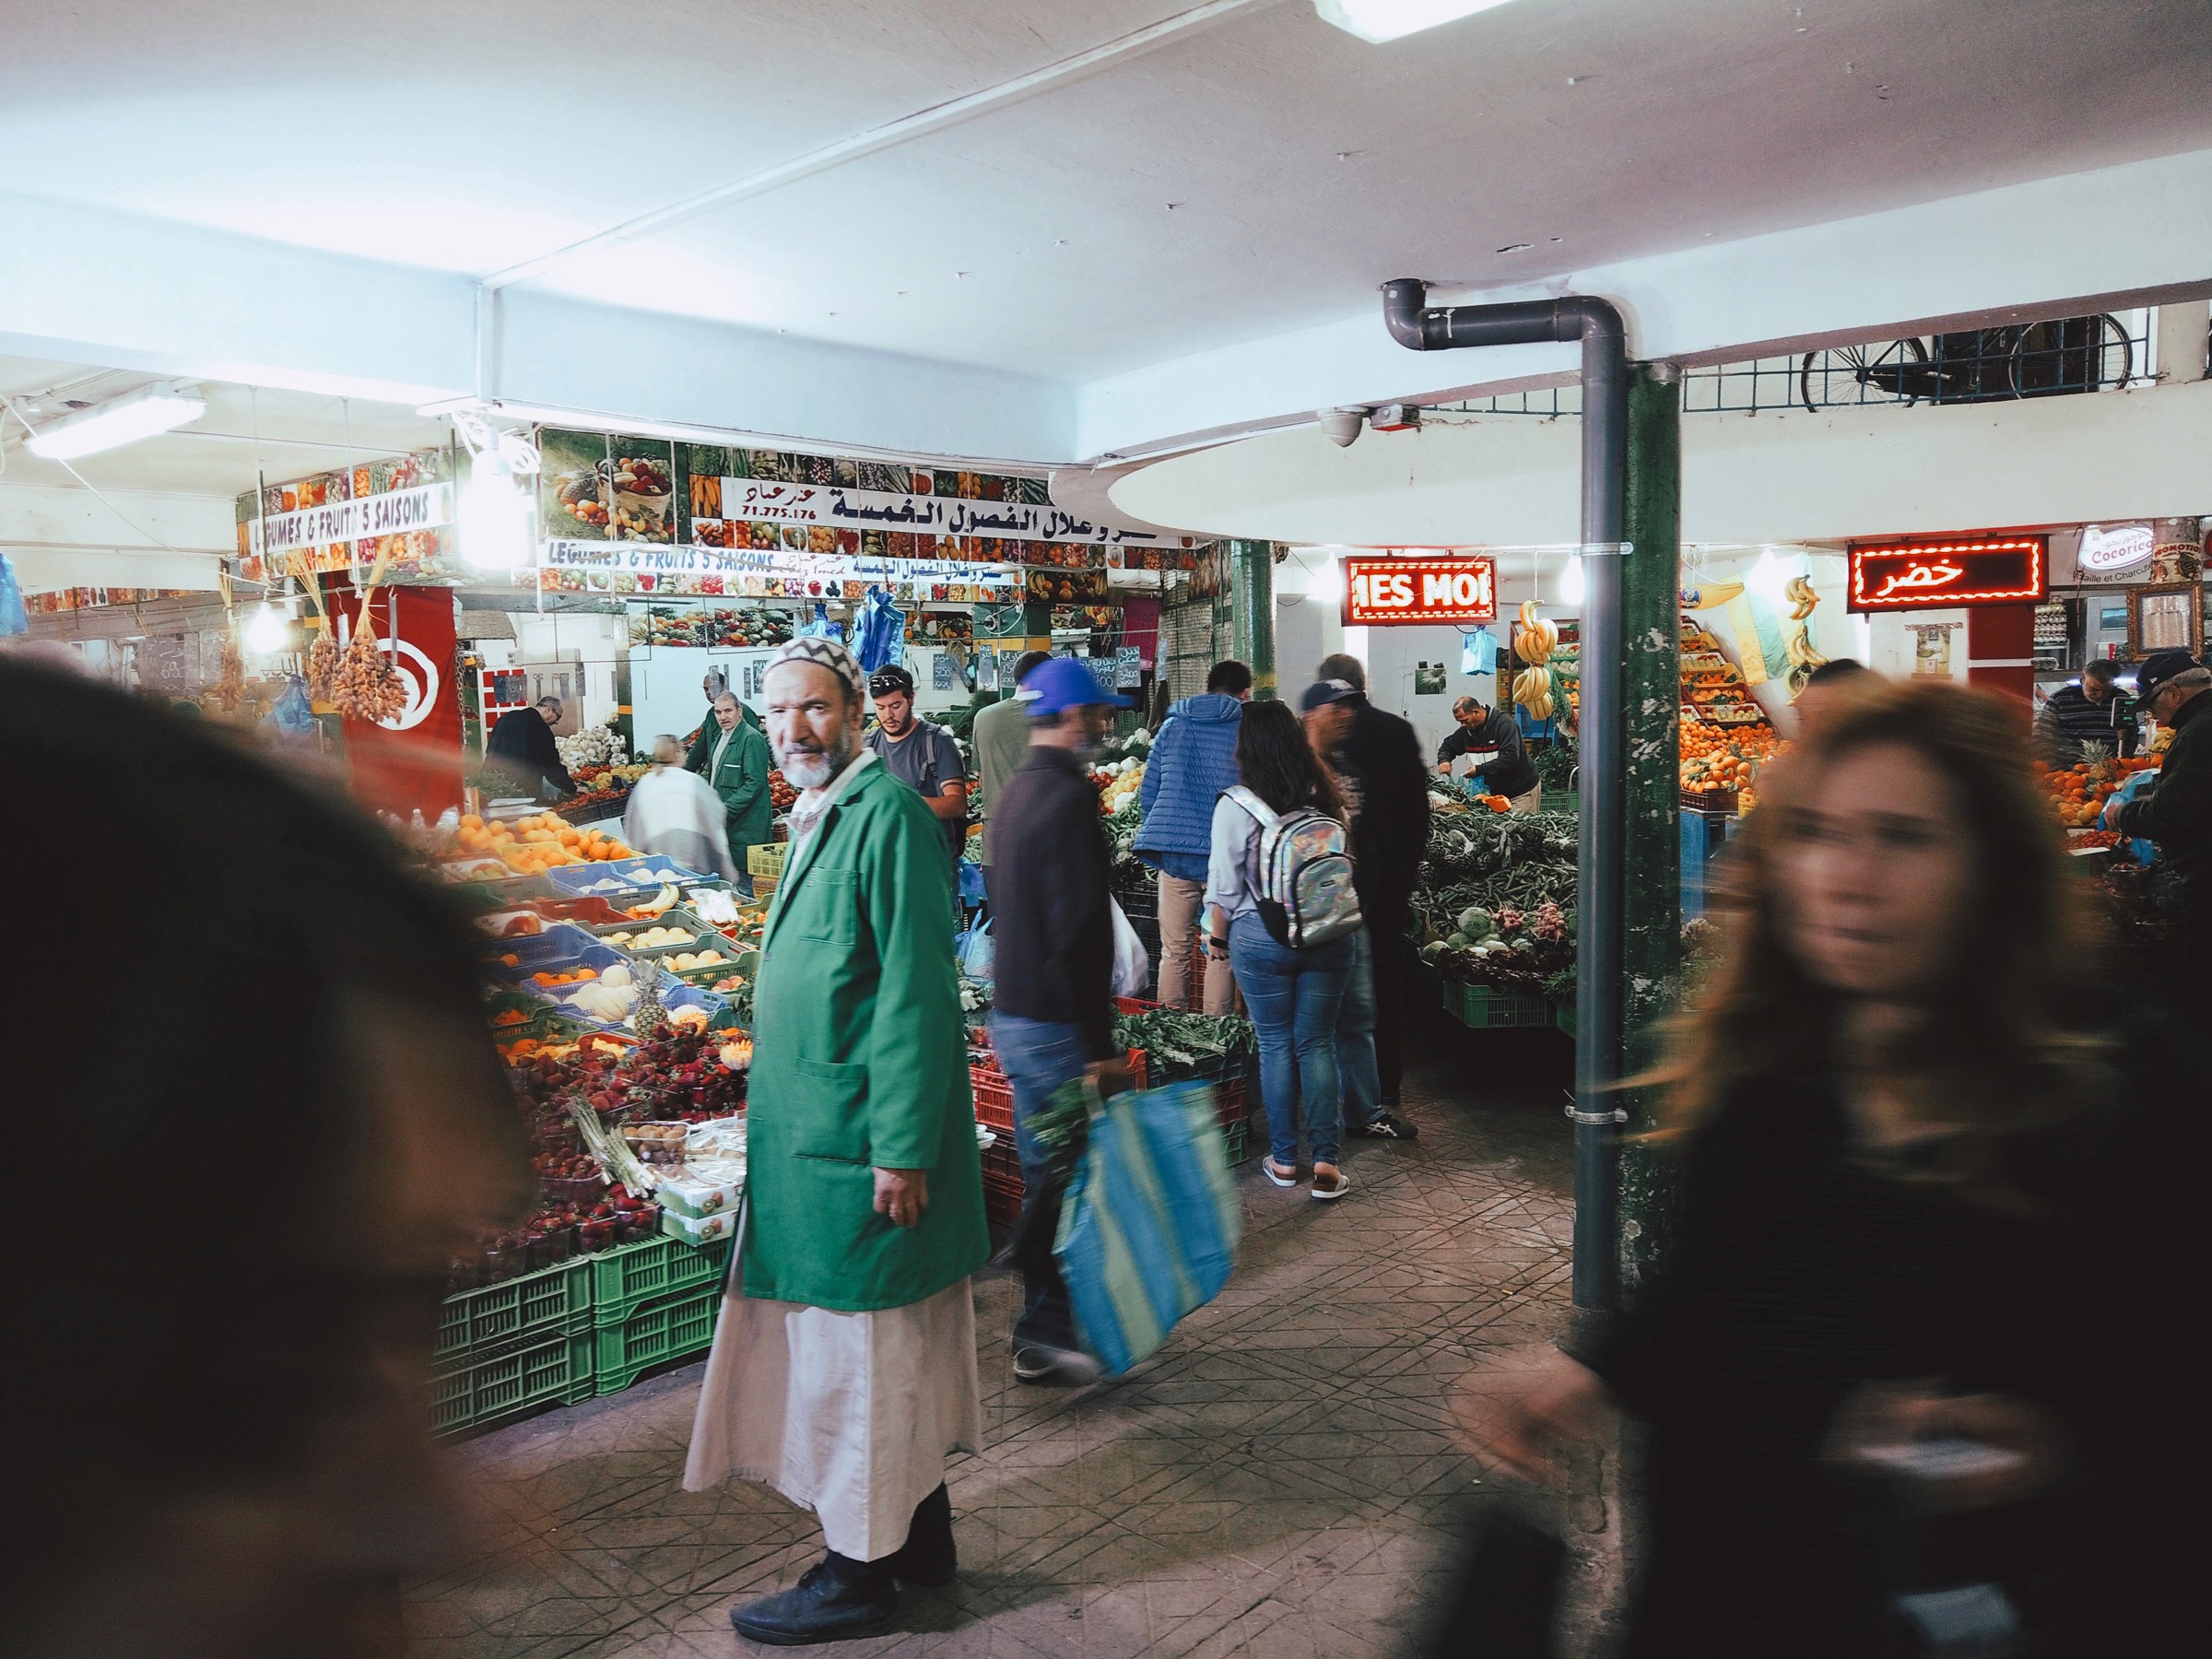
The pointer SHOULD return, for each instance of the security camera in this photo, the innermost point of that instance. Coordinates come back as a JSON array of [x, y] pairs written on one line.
[[1341, 427]]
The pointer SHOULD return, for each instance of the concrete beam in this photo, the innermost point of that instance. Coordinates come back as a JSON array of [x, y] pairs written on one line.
[[1782, 477]]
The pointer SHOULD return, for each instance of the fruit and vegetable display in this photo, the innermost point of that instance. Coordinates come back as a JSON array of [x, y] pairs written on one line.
[[366, 686], [1797, 638], [600, 786], [1177, 1044], [1713, 687], [542, 841], [782, 795], [2079, 792], [1726, 758], [739, 626], [1117, 782], [1520, 952], [592, 746]]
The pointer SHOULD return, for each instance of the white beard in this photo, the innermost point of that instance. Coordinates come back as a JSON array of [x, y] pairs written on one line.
[[815, 769]]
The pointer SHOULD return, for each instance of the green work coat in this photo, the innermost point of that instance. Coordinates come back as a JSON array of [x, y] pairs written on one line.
[[749, 812], [860, 1063]]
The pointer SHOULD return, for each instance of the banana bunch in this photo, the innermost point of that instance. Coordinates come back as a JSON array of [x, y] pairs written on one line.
[[1798, 643], [1537, 639]]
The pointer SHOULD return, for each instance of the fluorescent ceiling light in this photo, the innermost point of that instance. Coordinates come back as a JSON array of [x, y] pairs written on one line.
[[122, 421], [1380, 21]]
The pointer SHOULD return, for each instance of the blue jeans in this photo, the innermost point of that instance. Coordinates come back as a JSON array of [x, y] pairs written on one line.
[[1038, 1056], [1294, 996], [1356, 1037]]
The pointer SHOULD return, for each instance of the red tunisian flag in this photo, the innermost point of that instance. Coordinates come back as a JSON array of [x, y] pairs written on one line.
[[411, 762]]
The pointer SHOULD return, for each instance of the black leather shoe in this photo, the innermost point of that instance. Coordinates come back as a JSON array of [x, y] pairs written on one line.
[[928, 1558], [827, 1605]]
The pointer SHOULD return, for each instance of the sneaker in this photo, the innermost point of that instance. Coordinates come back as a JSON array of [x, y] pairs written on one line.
[[1330, 1182], [1276, 1173], [824, 1605], [1385, 1128], [1069, 1368]]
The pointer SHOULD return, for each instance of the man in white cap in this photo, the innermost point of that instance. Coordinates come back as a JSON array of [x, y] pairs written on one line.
[[844, 1369]]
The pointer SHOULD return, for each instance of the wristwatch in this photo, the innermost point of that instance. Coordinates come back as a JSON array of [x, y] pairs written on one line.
[[1217, 943]]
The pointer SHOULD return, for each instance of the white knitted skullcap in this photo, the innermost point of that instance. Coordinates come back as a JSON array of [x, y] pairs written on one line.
[[823, 653]]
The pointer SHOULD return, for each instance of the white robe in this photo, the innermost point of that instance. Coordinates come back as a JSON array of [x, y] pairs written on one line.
[[852, 1415]]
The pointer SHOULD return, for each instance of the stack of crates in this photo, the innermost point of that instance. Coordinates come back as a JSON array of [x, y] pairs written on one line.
[[513, 1347], [653, 1302]]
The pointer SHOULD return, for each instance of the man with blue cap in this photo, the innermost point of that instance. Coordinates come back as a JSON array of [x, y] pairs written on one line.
[[1052, 970]]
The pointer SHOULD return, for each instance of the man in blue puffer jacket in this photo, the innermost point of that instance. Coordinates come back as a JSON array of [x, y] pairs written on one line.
[[1192, 760]]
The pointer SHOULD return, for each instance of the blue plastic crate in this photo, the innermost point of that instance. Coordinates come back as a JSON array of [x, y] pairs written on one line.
[[589, 953], [534, 950], [637, 875]]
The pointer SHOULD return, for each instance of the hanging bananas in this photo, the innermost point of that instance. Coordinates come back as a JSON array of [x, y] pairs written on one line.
[[1533, 645], [1797, 643]]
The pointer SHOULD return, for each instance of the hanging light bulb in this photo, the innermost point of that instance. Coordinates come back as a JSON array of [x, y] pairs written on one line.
[[495, 516], [1570, 580], [1766, 578], [267, 632], [1327, 585]]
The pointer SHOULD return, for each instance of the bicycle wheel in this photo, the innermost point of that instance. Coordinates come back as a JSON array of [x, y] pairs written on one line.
[[2072, 354], [1893, 370]]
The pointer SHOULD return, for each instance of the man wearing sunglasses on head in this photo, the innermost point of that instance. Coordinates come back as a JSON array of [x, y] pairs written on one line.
[[920, 752]]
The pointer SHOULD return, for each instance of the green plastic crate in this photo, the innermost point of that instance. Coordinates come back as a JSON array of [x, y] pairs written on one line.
[[663, 1329], [552, 1300], [625, 1278], [1236, 1137], [1562, 1015], [551, 1370], [1485, 1009]]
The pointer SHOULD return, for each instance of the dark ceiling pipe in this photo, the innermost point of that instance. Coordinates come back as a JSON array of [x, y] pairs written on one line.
[[1419, 326]]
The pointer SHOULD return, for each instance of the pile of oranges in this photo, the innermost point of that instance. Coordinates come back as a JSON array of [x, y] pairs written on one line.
[[536, 843], [576, 977], [2079, 792]]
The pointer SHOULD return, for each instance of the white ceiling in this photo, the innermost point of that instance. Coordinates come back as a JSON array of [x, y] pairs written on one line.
[[245, 434], [1304, 165]]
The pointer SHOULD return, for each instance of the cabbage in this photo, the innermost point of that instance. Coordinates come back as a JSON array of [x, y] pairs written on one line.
[[1476, 923]]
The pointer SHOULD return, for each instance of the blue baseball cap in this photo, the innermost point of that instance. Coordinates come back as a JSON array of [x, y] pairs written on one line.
[[1065, 683]]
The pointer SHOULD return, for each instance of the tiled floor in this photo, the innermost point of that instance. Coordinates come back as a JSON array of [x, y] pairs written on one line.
[[1279, 1481]]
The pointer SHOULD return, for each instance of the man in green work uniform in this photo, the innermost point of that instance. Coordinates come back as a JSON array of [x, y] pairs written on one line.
[[844, 1369], [737, 768]]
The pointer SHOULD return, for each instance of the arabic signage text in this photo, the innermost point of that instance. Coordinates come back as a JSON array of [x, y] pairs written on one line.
[[395, 512], [1386, 592], [1927, 575], [763, 501]]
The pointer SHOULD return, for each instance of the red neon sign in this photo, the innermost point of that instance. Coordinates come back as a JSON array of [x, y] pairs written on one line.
[[1390, 592], [1925, 575]]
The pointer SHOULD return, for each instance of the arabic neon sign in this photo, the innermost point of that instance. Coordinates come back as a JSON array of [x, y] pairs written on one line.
[[1925, 575]]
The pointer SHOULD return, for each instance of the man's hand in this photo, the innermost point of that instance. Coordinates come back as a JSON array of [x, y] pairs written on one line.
[[902, 1194], [2110, 817]]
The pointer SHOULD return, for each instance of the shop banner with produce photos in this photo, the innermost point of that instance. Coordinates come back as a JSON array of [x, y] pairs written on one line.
[[397, 510], [769, 524]]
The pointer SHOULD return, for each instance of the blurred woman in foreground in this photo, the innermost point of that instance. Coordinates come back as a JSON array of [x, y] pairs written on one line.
[[1885, 1222]]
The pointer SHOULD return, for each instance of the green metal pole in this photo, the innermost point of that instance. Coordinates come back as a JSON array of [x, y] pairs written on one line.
[[1252, 594], [1650, 704]]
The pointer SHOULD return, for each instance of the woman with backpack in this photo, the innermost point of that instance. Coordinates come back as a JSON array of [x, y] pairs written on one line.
[[1280, 904]]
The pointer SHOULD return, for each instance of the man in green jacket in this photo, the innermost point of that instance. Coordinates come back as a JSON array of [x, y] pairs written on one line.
[[844, 1369], [737, 768]]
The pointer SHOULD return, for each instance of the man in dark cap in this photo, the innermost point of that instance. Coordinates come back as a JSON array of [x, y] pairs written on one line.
[[2177, 814]]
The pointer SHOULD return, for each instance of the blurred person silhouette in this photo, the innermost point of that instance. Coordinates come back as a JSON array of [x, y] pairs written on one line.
[[222, 1445], [1194, 758], [1906, 1249], [1826, 688], [679, 815]]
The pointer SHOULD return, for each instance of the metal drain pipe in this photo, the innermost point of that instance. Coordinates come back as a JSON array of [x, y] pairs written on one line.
[[1602, 858]]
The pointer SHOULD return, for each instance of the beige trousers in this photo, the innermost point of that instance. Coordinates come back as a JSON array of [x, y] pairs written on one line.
[[1531, 801], [1180, 903]]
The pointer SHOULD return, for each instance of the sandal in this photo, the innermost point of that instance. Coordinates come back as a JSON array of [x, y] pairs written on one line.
[[1276, 1173], [1335, 1184]]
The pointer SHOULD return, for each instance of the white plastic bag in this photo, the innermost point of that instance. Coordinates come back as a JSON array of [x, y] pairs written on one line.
[[1132, 963], [976, 960]]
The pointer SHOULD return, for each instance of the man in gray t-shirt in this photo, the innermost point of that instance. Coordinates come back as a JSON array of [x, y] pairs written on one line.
[[919, 753]]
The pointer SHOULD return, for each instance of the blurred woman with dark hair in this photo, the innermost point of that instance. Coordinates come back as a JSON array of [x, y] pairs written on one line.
[[1880, 1237], [1294, 995]]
